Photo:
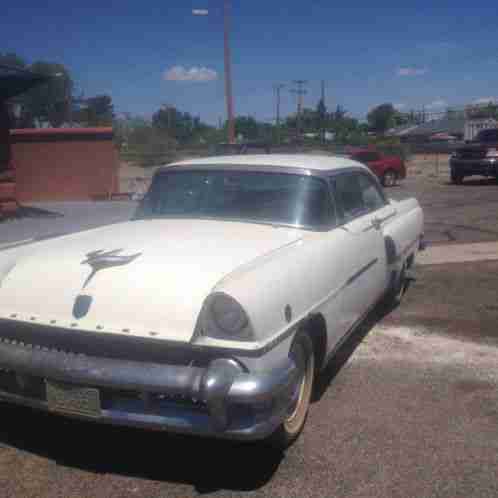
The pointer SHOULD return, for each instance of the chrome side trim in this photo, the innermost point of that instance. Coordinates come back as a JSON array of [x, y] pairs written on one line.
[[360, 272]]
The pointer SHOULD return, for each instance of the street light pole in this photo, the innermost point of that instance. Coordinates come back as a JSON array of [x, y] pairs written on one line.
[[228, 73], [228, 66]]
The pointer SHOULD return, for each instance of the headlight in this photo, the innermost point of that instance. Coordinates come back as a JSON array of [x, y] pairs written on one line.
[[224, 318], [492, 153]]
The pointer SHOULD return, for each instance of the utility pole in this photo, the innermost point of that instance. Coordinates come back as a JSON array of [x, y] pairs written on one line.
[[228, 73], [300, 92], [322, 118], [278, 89], [168, 109], [228, 67]]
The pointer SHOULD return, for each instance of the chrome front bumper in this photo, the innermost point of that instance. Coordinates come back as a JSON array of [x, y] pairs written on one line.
[[221, 400]]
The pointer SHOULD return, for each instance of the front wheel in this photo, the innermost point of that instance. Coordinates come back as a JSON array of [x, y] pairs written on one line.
[[456, 178], [389, 178], [302, 353], [397, 289]]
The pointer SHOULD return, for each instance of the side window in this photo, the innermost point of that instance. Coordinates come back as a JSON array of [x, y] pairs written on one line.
[[371, 194], [349, 195]]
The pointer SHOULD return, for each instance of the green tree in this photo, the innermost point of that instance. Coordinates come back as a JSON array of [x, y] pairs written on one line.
[[50, 101], [339, 113], [321, 115], [179, 125], [382, 117], [485, 111], [12, 59], [247, 127], [96, 111], [149, 145]]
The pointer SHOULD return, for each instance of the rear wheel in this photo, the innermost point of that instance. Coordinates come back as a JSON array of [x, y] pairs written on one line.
[[389, 178], [302, 353]]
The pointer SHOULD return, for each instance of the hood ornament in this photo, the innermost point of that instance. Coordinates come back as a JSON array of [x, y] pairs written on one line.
[[99, 260]]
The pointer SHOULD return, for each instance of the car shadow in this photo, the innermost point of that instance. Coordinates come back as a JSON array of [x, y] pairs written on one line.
[[476, 182], [34, 212], [342, 355], [207, 464]]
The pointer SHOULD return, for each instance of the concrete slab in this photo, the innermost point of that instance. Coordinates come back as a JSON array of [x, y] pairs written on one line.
[[458, 253]]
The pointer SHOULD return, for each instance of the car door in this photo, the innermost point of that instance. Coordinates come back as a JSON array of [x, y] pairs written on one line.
[[363, 208]]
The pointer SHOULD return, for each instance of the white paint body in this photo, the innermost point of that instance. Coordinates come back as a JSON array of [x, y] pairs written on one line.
[[338, 274]]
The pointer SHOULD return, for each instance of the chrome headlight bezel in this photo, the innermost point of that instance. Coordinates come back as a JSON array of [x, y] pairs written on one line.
[[223, 317]]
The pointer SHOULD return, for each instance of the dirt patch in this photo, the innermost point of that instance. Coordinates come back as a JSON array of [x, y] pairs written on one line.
[[473, 386], [459, 300]]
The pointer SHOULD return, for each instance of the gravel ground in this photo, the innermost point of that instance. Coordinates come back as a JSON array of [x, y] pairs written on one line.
[[454, 213]]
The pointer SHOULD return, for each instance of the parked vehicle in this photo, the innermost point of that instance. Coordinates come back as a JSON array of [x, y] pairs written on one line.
[[224, 149], [213, 311], [389, 169], [476, 157]]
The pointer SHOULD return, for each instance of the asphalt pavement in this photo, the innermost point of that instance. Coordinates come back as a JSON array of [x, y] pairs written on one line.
[[41, 220]]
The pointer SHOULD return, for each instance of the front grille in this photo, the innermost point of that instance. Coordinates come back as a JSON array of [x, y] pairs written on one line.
[[148, 402], [71, 341], [26, 386], [33, 387]]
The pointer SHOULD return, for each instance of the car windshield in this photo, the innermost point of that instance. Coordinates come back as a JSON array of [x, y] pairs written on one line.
[[487, 136], [258, 197]]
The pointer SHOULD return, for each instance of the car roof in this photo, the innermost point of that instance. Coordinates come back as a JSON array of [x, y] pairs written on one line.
[[299, 162]]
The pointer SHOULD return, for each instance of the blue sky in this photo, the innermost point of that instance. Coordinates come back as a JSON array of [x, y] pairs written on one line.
[[367, 52]]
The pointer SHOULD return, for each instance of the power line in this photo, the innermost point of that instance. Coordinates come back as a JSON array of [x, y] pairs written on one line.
[[300, 92], [278, 89]]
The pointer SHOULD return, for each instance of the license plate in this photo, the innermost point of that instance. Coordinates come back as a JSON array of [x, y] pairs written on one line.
[[73, 400]]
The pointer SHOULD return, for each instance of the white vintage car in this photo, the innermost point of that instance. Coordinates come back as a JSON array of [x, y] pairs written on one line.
[[212, 311]]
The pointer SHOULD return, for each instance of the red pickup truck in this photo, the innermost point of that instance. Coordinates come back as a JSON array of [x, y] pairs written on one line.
[[389, 169]]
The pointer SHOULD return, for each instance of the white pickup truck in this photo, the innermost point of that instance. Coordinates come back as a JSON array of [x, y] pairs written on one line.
[[215, 308]]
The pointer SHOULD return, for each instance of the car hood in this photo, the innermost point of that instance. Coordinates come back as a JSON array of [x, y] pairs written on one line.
[[144, 278]]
